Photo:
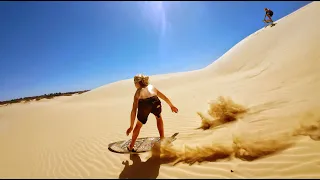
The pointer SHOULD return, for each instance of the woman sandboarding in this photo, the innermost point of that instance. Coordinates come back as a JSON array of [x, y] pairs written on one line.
[[146, 101]]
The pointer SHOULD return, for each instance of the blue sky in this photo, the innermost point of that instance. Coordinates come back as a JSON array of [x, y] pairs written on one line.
[[48, 47]]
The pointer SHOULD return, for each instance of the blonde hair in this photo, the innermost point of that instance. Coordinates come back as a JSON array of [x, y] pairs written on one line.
[[142, 80]]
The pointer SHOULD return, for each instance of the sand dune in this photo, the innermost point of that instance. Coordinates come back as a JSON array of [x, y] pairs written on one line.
[[269, 128]]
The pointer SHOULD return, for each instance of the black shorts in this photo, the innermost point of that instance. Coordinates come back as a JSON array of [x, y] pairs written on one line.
[[147, 106]]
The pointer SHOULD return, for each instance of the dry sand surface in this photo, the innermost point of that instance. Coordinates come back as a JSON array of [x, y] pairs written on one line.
[[253, 113]]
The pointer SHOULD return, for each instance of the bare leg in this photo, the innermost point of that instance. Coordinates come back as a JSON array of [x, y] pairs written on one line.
[[160, 126], [135, 134], [270, 20]]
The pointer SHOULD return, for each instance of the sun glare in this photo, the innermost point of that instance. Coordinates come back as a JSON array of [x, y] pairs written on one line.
[[155, 12]]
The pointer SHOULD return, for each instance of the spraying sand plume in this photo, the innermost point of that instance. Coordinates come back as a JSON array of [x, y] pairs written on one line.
[[250, 146], [190, 155], [221, 111], [309, 125]]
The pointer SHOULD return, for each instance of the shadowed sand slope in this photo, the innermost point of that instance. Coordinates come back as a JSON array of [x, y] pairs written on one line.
[[253, 113]]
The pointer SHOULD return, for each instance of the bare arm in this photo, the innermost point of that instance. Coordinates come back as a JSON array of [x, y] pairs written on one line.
[[134, 108], [164, 97]]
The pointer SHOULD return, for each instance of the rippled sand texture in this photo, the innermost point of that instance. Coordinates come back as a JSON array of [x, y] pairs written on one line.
[[253, 113]]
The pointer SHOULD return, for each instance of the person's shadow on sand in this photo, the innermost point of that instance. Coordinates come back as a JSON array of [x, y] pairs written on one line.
[[141, 170]]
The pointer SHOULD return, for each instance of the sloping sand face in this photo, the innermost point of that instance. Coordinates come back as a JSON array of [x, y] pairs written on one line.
[[253, 113]]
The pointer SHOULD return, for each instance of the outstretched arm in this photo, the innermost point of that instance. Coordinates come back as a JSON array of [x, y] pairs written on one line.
[[167, 100], [164, 97], [133, 112], [134, 109]]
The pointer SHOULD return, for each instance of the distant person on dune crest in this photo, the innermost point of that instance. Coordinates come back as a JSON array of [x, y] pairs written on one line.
[[269, 13], [146, 101]]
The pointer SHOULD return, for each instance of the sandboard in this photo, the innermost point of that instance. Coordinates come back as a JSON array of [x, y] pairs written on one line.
[[141, 145], [271, 23]]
